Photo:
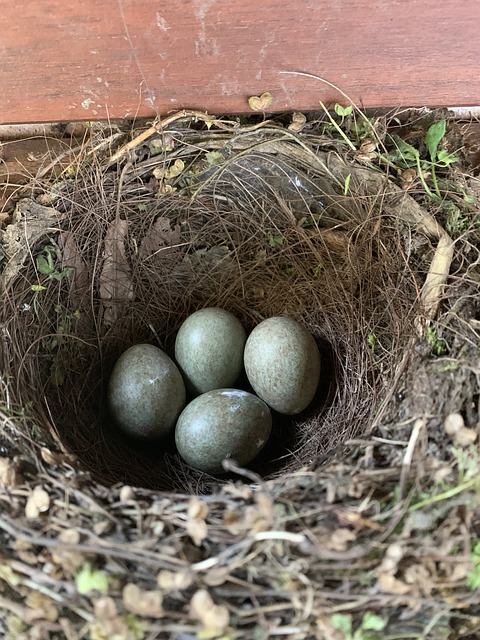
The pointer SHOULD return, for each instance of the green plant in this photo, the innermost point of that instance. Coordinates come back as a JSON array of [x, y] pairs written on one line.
[[275, 241], [473, 577], [457, 222], [437, 345], [46, 266], [369, 629], [341, 111], [407, 156]]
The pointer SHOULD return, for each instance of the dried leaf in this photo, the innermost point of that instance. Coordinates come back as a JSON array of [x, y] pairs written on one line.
[[38, 502], [454, 426], [174, 581], [419, 577], [408, 177], [126, 493], [71, 257], [105, 608], [389, 584], [214, 618], [115, 283], [453, 423], [367, 152], [261, 103], [340, 538], [159, 247], [197, 509], [9, 575], [68, 559], [50, 457], [216, 576], [142, 603], [175, 170], [41, 607], [261, 516], [197, 530], [8, 475], [465, 437], [108, 625], [298, 122], [196, 526]]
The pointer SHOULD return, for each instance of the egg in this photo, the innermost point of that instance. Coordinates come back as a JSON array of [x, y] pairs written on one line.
[[209, 349], [146, 392], [220, 424], [282, 363]]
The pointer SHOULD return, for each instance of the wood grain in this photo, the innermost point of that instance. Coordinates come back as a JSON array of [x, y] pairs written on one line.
[[122, 58]]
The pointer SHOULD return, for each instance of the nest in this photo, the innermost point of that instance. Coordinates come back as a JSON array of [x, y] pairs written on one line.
[[120, 249], [250, 229]]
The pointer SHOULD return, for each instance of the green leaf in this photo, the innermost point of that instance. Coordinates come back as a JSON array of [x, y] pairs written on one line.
[[214, 157], [343, 111], [371, 342], [276, 241], [446, 158], [37, 287], [44, 264], [60, 275], [342, 622], [372, 622], [347, 184], [405, 151], [434, 134], [89, 579]]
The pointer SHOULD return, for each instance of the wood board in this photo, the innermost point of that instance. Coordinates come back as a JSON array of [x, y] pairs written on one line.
[[124, 58]]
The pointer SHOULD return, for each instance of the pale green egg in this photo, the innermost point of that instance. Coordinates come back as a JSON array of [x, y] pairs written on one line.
[[146, 392], [209, 349], [282, 363], [221, 424]]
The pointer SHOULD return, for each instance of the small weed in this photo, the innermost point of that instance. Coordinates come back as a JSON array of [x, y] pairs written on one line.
[[437, 345], [346, 186], [473, 577], [336, 126], [88, 579], [63, 328], [318, 271], [457, 223], [370, 628], [448, 367], [343, 111], [406, 157], [275, 241], [46, 266]]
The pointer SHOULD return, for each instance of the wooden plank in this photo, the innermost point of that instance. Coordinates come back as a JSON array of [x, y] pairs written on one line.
[[123, 58]]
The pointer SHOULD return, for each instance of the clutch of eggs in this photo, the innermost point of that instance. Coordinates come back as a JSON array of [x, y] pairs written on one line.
[[147, 390]]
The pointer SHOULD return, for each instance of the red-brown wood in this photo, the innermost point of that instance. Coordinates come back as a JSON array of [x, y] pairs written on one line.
[[64, 60]]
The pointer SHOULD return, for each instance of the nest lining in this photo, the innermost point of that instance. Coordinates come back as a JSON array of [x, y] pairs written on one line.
[[259, 231]]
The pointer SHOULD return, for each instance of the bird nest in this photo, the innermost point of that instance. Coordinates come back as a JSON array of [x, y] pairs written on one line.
[[119, 249]]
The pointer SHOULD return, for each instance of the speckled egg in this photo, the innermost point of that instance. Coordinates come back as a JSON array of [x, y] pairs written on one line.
[[282, 363], [220, 424], [146, 392], [209, 350]]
